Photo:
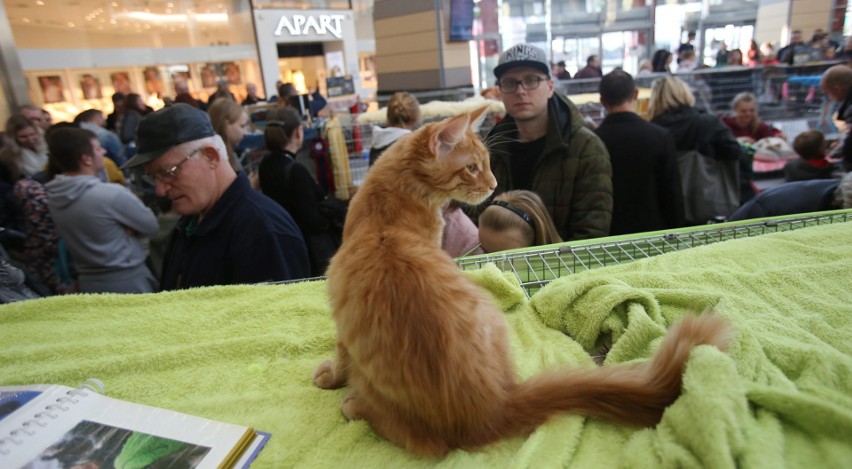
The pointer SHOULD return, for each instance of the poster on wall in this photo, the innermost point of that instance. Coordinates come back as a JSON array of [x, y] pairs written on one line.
[[153, 81], [231, 72], [334, 63], [120, 82], [52, 89], [209, 75], [180, 74], [91, 86]]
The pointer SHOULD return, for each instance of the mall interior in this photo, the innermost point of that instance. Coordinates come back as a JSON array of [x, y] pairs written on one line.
[[68, 56]]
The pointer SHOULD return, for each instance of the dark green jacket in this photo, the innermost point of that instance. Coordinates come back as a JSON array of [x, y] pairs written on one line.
[[573, 176]]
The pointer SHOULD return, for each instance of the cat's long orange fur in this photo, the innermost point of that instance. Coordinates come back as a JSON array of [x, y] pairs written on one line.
[[424, 350]]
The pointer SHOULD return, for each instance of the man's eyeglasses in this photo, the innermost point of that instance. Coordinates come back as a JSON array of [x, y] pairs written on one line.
[[529, 82], [168, 175]]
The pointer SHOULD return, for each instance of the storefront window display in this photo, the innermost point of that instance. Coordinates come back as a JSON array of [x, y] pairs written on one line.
[[76, 55], [575, 50], [623, 49], [734, 37]]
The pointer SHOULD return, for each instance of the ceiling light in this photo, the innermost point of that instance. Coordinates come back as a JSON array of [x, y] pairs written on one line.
[[39, 3], [154, 18]]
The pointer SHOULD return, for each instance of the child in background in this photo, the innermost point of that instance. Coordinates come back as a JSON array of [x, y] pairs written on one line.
[[811, 147], [516, 219]]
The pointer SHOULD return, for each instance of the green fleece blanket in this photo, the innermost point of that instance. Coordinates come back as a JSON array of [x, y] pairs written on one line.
[[781, 397]]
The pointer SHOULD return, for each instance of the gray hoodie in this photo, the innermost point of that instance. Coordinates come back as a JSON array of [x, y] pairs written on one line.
[[93, 217]]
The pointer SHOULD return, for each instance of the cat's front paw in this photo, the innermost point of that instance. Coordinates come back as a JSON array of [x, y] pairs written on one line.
[[324, 375]]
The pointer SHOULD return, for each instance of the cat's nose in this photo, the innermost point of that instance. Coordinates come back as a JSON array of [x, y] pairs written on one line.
[[493, 184]]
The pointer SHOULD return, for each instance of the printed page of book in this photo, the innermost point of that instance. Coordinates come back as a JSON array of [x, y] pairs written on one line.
[[15, 399], [67, 427]]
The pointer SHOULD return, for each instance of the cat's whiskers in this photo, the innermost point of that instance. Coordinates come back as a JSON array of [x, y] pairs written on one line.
[[498, 137]]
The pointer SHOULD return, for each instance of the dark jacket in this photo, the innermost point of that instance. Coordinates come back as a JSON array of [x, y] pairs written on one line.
[[292, 186], [696, 130], [588, 72], [845, 113], [245, 238], [128, 125], [573, 177], [801, 170], [187, 98], [791, 198], [647, 194]]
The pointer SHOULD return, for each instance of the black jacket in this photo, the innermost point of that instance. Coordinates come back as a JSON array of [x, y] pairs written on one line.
[[845, 113], [694, 129], [711, 185], [292, 186], [647, 194]]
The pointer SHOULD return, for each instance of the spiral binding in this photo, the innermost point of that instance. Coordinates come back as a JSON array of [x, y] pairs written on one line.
[[50, 412]]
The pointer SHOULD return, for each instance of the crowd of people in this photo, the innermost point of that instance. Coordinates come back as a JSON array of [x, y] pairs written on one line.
[[143, 201]]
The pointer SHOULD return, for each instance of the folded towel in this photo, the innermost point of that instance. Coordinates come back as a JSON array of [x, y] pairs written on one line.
[[245, 354]]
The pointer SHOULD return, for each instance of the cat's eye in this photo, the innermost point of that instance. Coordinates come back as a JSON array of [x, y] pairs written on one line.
[[473, 168]]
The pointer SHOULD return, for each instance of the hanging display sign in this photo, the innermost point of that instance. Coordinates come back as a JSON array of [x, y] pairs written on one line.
[[300, 25]]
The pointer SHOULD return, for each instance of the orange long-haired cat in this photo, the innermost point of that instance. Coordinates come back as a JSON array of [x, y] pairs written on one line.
[[424, 350]]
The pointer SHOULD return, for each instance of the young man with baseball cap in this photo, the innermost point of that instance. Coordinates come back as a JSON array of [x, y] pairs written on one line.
[[228, 232], [544, 146]]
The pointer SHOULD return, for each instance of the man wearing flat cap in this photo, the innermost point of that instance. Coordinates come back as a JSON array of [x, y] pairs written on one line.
[[228, 233], [543, 145]]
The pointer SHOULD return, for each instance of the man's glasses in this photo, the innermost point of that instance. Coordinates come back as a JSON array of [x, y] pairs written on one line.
[[529, 82], [168, 175]]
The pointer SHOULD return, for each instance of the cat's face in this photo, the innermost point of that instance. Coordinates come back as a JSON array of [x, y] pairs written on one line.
[[459, 163]]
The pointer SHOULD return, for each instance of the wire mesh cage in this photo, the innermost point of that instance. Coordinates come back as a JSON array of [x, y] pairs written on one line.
[[537, 267]]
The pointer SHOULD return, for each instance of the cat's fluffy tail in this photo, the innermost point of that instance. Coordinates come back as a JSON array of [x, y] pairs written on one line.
[[634, 394]]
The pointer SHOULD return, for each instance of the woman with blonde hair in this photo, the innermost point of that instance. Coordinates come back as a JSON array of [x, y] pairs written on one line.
[[708, 154], [516, 219], [232, 123], [24, 150], [403, 115], [745, 124]]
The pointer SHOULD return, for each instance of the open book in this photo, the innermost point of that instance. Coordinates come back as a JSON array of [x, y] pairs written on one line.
[[54, 426]]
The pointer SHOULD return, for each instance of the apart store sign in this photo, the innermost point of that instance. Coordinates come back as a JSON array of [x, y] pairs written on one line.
[[300, 25]]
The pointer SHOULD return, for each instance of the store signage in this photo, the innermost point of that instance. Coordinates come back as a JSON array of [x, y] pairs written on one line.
[[299, 25]]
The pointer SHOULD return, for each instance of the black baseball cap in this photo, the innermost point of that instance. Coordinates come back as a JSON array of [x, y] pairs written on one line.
[[522, 55], [159, 131]]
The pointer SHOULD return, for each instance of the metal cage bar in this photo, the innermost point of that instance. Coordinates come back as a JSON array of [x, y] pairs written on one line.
[[537, 267]]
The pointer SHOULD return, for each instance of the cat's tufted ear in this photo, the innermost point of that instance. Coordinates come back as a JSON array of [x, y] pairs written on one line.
[[478, 116], [450, 132]]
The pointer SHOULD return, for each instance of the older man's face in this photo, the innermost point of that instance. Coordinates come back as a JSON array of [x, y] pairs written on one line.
[[187, 175]]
